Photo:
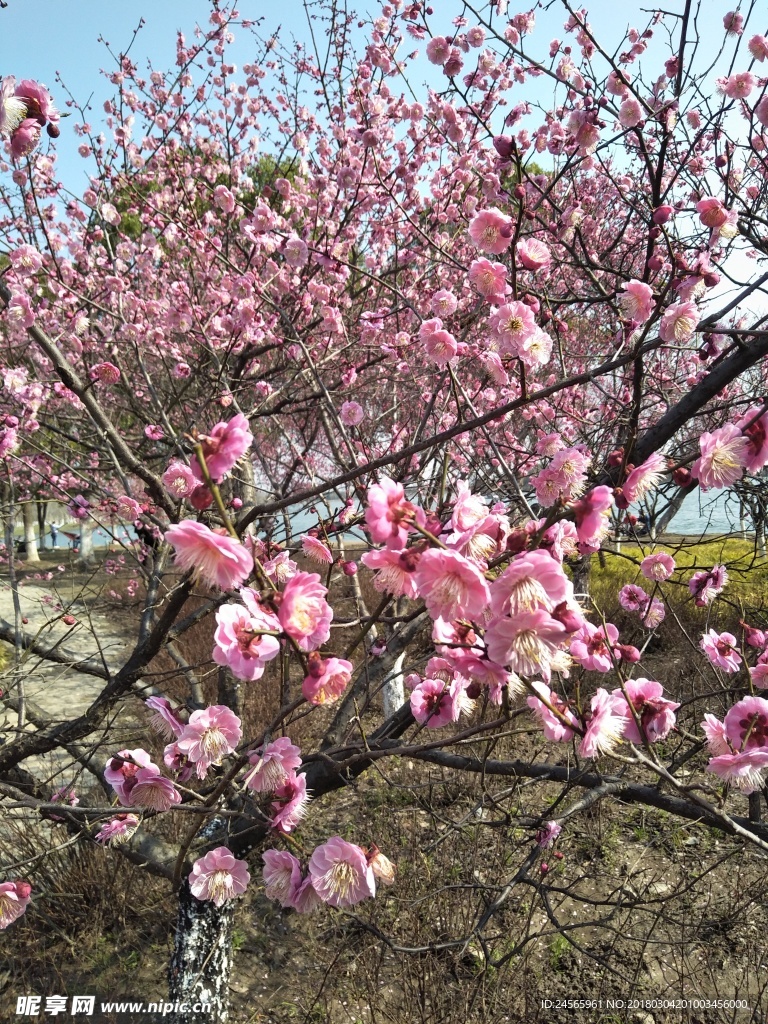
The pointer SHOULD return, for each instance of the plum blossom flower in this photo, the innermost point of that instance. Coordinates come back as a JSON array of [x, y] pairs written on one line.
[[532, 580], [152, 790], [679, 322], [315, 550], [127, 508], [547, 835], [711, 211], [706, 585], [758, 47], [296, 252], [558, 728], [340, 873], [13, 110], [533, 254], [304, 613], [591, 513], [606, 725], [14, 899], [452, 586], [290, 803], [223, 447], [121, 771], [630, 113], [491, 231], [746, 724], [716, 734], [444, 303], [655, 712], [733, 23], [644, 478], [528, 644], [219, 876], [438, 50], [658, 567], [219, 560], [393, 571], [179, 479], [241, 643], [654, 614], [593, 646], [720, 649], [440, 697], [755, 430], [489, 280], [351, 413], [117, 830], [165, 720], [326, 680], [637, 302], [745, 771], [740, 85], [759, 675], [512, 324], [724, 454], [273, 765], [388, 513], [282, 876], [633, 598], [209, 736], [224, 199]]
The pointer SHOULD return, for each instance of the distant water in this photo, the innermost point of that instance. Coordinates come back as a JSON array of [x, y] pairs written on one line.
[[713, 512]]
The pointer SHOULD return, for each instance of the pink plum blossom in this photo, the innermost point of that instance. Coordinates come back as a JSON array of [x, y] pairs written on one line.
[[513, 323], [315, 550], [14, 899], [533, 254], [117, 830], [606, 725], [218, 559], [165, 720], [290, 803], [547, 835], [219, 876], [304, 613], [716, 734], [658, 567], [223, 447], [209, 736], [746, 724], [351, 414], [340, 873], [179, 479], [532, 580], [451, 586], [273, 765], [758, 47], [655, 712], [744, 771], [121, 771], [644, 478], [637, 302], [724, 454], [594, 647], [633, 598], [754, 426], [558, 728], [282, 876], [527, 644], [491, 231], [679, 322], [591, 514], [389, 513], [393, 571], [241, 642], [326, 680], [720, 649], [489, 280], [707, 584]]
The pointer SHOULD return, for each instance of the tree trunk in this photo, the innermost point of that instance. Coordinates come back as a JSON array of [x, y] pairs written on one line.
[[86, 543], [201, 964], [42, 507], [30, 537], [393, 691]]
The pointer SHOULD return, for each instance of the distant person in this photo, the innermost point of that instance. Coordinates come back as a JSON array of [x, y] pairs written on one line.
[[54, 535]]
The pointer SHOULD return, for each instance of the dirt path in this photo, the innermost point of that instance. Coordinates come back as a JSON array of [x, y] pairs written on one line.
[[62, 692]]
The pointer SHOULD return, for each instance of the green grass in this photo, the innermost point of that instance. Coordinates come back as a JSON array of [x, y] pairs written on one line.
[[747, 570]]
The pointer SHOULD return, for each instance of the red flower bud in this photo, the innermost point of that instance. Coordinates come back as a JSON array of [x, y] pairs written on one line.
[[682, 477], [662, 214], [504, 146], [68, 620]]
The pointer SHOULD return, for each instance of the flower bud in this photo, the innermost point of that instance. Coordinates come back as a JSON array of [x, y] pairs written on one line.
[[682, 477], [68, 620], [504, 146], [616, 458], [201, 498], [662, 214], [571, 620], [349, 568]]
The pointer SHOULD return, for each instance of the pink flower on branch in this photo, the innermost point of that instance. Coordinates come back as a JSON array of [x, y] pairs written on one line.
[[219, 876], [223, 447], [340, 873], [273, 765], [290, 804], [282, 876], [304, 613], [720, 649], [451, 586], [655, 712], [326, 680], [241, 641], [210, 735], [14, 899], [218, 559], [491, 231]]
